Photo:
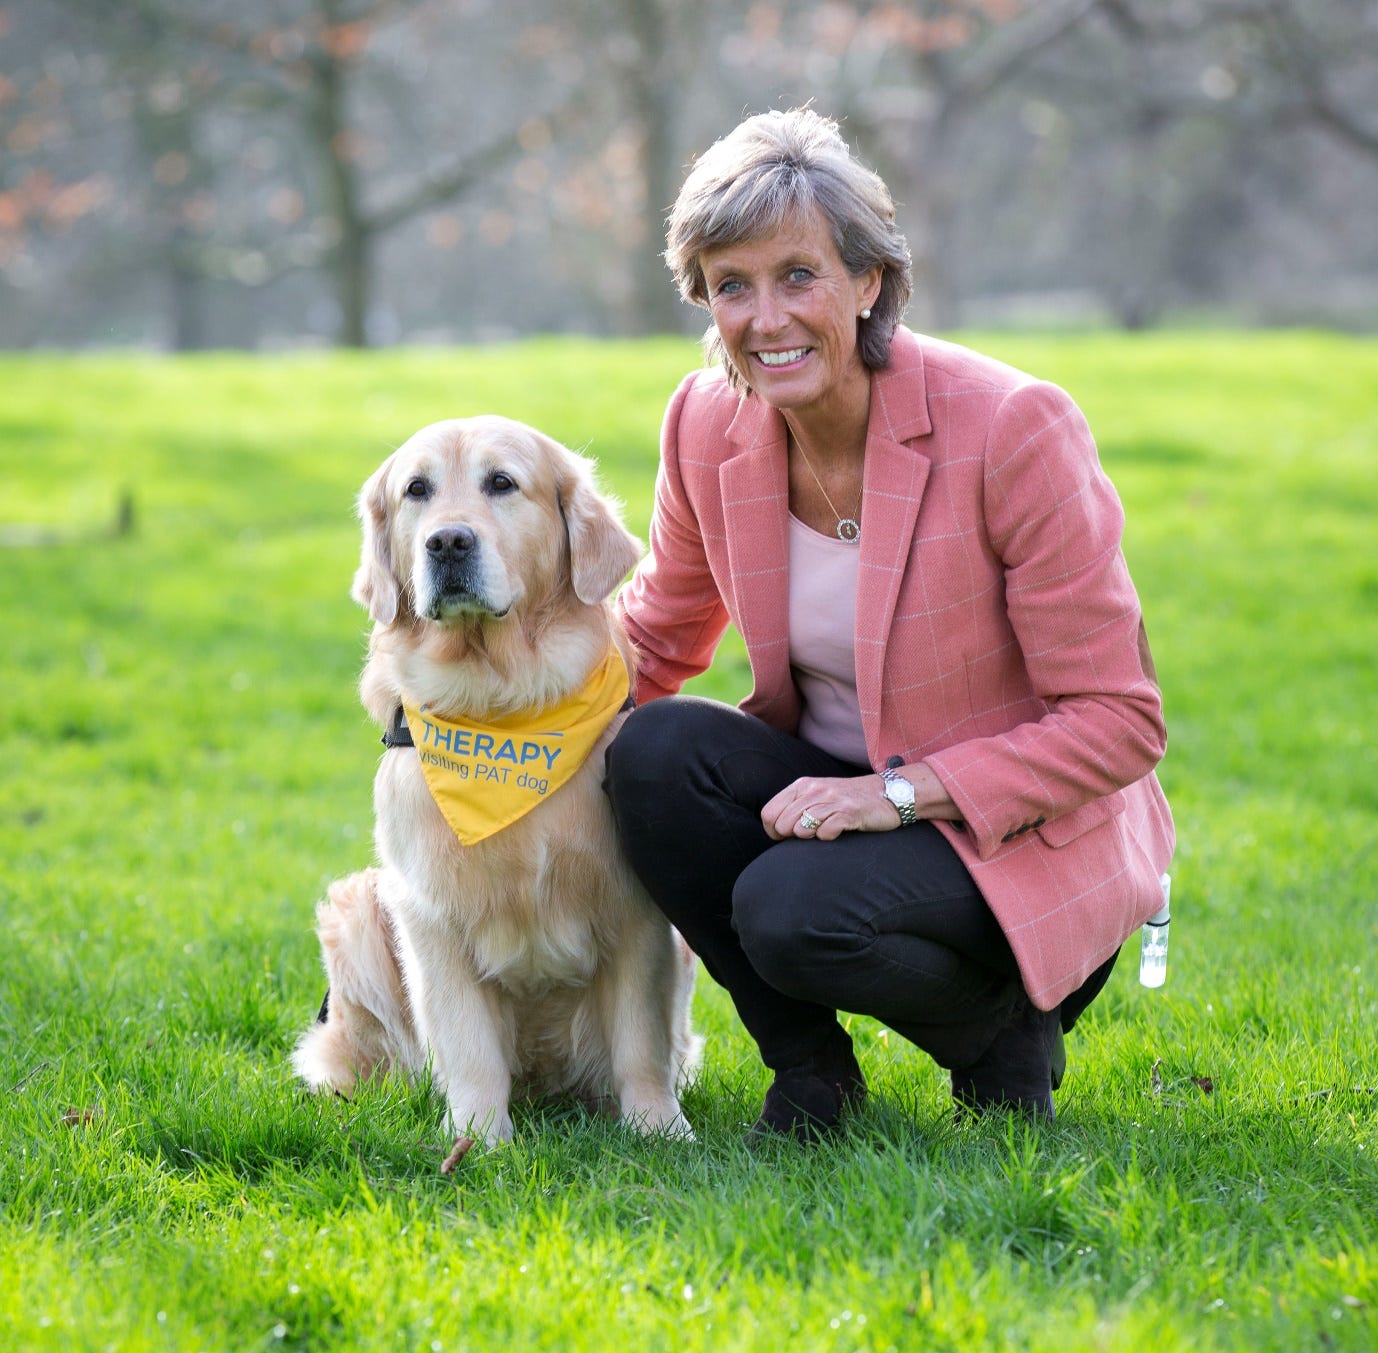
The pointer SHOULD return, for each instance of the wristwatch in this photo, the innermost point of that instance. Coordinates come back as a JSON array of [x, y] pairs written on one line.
[[900, 792]]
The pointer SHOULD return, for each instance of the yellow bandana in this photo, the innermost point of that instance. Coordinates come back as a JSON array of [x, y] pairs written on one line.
[[484, 776]]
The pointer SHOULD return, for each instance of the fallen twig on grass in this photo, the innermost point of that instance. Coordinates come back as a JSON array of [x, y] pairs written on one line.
[[457, 1154], [28, 1076]]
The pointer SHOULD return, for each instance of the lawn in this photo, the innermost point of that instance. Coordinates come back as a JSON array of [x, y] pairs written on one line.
[[186, 766]]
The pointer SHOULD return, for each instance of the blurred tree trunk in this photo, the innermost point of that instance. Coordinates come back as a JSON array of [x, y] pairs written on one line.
[[656, 307], [149, 61], [347, 261], [168, 141], [333, 138], [651, 99], [655, 66]]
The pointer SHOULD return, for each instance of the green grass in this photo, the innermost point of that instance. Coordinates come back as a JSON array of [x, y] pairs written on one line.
[[186, 765]]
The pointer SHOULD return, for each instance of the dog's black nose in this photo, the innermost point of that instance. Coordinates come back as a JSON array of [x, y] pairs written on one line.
[[451, 541]]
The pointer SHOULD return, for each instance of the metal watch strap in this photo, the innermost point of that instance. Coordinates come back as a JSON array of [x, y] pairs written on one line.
[[908, 817]]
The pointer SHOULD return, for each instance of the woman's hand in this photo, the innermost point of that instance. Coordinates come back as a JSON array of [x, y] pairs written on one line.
[[851, 804]]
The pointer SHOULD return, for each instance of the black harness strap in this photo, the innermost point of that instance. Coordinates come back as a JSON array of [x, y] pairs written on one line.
[[399, 735]]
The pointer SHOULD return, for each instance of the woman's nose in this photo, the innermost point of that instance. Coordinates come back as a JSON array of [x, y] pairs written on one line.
[[770, 315]]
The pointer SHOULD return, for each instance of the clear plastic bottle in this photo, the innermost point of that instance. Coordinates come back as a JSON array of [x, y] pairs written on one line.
[[1153, 955]]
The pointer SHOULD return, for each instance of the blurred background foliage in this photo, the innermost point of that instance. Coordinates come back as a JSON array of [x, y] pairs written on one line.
[[261, 173]]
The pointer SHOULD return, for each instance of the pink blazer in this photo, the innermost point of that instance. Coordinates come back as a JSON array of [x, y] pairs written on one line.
[[998, 635]]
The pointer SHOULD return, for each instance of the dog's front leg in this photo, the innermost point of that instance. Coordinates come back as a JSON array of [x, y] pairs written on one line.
[[468, 1033], [637, 1018]]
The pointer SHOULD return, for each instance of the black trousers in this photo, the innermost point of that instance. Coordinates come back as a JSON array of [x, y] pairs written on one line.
[[887, 924]]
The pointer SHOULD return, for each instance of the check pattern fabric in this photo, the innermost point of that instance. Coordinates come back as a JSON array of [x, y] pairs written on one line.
[[999, 637]]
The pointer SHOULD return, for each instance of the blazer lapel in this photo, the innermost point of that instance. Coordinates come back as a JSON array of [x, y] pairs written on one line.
[[895, 476], [755, 498]]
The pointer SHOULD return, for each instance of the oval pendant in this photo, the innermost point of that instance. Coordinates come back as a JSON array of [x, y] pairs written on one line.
[[849, 530]]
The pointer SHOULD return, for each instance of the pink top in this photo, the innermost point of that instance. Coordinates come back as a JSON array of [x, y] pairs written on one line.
[[822, 640]]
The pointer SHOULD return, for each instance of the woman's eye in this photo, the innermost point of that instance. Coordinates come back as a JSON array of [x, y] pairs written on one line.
[[418, 488], [800, 275], [500, 483], [729, 288]]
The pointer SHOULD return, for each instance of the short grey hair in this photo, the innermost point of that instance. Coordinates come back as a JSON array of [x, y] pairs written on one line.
[[768, 169]]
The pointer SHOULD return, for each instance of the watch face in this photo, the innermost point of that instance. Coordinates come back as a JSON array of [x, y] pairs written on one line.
[[901, 795]]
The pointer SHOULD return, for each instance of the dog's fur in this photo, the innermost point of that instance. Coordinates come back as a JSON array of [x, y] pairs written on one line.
[[532, 959]]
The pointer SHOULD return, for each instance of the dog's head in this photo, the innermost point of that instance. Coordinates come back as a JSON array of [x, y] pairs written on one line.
[[473, 518]]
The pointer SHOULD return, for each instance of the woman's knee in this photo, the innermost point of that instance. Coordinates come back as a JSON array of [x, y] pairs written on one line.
[[786, 925]]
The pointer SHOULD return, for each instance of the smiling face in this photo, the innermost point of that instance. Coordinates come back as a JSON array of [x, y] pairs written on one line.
[[786, 309]]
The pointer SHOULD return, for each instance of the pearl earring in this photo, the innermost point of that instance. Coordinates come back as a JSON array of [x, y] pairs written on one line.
[[866, 314]]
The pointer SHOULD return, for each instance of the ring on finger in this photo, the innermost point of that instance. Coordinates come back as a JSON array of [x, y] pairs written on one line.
[[808, 822]]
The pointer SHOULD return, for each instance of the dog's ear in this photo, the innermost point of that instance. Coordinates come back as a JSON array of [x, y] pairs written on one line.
[[601, 550], [375, 583]]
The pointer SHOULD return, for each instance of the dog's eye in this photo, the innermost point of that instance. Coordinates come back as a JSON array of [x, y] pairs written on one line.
[[418, 488], [500, 483]]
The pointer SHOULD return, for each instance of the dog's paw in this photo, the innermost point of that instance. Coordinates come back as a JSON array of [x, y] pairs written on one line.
[[488, 1125], [659, 1119]]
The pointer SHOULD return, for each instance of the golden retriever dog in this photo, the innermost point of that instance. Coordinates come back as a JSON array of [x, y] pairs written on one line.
[[530, 960]]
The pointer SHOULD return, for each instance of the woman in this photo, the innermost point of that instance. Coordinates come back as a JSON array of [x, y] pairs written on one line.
[[937, 807]]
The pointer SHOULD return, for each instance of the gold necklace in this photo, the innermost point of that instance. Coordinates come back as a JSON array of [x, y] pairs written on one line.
[[848, 528]]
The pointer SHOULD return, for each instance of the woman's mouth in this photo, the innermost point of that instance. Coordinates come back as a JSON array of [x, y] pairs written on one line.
[[786, 358]]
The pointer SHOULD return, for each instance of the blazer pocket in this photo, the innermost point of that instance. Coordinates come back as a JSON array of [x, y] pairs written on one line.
[[1059, 831]]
